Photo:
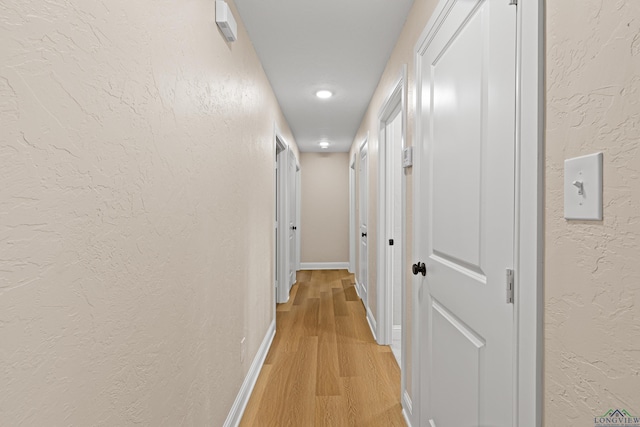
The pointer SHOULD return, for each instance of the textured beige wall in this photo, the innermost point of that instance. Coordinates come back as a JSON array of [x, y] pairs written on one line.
[[135, 249], [324, 222], [403, 54], [592, 277]]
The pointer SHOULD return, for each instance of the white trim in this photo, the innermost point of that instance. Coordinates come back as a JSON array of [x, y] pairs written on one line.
[[372, 323], [407, 408], [529, 213], [363, 192], [528, 307], [352, 215], [283, 226], [240, 404], [298, 211], [394, 101], [295, 221], [358, 288], [363, 143], [287, 198], [397, 97], [324, 265]]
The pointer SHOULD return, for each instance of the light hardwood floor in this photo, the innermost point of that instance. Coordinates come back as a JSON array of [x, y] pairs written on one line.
[[324, 368]]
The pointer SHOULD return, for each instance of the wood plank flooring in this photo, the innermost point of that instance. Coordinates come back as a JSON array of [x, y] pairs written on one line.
[[324, 368]]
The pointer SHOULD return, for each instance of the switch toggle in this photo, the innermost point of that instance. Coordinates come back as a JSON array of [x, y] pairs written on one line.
[[580, 186], [583, 187]]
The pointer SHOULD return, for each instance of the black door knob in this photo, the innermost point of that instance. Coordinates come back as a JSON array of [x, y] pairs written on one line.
[[364, 234], [420, 267]]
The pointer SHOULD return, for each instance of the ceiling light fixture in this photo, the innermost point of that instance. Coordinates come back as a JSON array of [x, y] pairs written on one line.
[[324, 94], [324, 145]]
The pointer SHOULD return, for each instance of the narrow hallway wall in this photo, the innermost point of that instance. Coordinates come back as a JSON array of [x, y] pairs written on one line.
[[592, 274], [324, 219], [137, 212]]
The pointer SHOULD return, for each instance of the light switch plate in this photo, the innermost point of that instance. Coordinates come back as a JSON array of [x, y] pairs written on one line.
[[583, 187]]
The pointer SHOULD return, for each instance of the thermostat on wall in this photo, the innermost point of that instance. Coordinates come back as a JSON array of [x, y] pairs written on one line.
[[407, 157]]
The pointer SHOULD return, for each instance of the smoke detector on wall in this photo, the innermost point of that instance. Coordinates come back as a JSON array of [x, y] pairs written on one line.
[[226, 21]]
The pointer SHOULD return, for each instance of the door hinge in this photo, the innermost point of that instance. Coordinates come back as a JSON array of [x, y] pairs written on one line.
[[509, 286], [513, 2]]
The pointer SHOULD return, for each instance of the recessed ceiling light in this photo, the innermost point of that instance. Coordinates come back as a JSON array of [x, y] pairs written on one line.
[[324, 94], [324, 145]]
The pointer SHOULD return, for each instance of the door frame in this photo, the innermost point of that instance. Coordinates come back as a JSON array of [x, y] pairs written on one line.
[[298, 217], [352, 215], [293, 199], [281, 150], [364, 294], [282, 293], [529, 246], [395, 100]]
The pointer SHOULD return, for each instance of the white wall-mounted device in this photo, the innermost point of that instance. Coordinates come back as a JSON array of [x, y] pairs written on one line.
[[226, 21], [583, 187], [407, 157]]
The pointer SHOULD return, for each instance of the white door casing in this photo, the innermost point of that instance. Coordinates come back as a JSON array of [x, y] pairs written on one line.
[[393, 230], [280, 148], [298, 215], [352, 216], [465, 214], [283, 236], [292, 206], [363, 184], [391, 212]]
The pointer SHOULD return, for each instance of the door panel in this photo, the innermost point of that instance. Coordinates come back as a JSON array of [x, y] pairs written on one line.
[[391, 148], [467, 214], [292, 218], [457, 352], [364, 209], [457, 150]]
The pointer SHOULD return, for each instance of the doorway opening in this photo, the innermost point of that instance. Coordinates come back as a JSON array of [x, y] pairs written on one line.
[[280, 184], [352, 216], [363, 256], [391, 213]]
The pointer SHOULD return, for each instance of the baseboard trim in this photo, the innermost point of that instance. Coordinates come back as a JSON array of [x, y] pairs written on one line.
[[324, 266], [407, 408], [372, 323], [357, 286], [240, 404]]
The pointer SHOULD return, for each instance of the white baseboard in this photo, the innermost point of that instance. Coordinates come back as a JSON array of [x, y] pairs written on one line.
[[396, 333], [240, 404], [357, 286], [372, 323], [407, 408], [324, 265]]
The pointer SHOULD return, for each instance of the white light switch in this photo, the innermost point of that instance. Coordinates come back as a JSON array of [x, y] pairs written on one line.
[[583, 187]]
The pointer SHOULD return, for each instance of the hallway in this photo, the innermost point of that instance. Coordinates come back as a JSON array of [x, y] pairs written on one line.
[[324, 367]]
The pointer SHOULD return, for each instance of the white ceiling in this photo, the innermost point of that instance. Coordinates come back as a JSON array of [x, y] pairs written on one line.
[[339, 45]]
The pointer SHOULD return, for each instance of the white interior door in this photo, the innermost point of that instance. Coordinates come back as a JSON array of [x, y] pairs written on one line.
[[282, 229], [278, 213], [466, 215], [298, 216], [364, 215], [393, 226], [352, 216], [293, 180]]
